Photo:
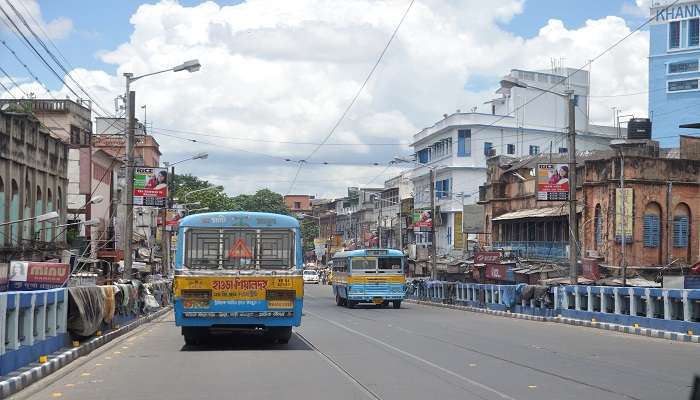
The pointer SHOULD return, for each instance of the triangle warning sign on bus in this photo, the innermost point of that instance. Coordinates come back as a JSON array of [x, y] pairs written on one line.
[[240, 250]]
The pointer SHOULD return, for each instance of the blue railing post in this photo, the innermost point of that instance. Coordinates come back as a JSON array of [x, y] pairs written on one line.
[[591, 300], [618, 300], [667, 306], [687, 307], [39, 313]]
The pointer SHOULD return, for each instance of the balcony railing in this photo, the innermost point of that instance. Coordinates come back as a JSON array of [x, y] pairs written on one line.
[[537, 250]]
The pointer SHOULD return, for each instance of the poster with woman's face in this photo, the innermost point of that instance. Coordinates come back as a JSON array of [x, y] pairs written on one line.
[[18, 271], [552, 182], [150, 186]]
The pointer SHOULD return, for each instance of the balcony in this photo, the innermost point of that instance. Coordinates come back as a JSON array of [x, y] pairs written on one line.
[[557, 251]]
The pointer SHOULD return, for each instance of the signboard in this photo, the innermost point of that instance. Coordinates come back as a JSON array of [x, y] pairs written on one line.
[[422, 220], [172, 218], [629, 220], [28, 275], [150, 186], [485, 257], [497, 271], [459, 237], [552, 182], [473, 218], [666, 13], [4, 276]]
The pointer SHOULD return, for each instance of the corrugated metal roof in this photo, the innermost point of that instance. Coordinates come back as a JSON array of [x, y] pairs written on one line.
[[547, 212]]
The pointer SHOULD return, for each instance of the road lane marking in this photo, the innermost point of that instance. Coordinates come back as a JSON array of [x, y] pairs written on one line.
[[472, 365], [70, 384], [417, 358], [56, 394], [85, 374], [339, 368], [531, 386]]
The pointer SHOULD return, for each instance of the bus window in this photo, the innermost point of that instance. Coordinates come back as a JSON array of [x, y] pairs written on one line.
[[364, 264], [390, 264]]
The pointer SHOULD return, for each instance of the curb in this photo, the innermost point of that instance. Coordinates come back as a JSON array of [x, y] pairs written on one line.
[[29, 375], [631, 330]]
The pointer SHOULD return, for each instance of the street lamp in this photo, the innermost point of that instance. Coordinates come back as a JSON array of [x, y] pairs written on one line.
[[198, 209], [510, 82], [130, 100], [50, 216]]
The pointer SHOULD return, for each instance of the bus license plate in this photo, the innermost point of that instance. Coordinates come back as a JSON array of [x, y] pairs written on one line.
[[377, 300], [280, 304]]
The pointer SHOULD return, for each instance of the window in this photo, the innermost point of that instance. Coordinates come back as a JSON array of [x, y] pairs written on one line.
[[693, 32], [487, 148], [674, 35], [534, 150], [493, 109], [680, 67], [442, 188], [680, 231], [563, 150], [682, 86], [297, 205], [424, 156], [651, 230], [510, 149], [464, 143]]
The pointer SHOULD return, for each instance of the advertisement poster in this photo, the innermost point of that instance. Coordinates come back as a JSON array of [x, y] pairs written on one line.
[[4, 276], [422, 220], [173, 217], [552, 182], [28, 275], [629, 220], [487, 257], [459, 237], [150, 186]]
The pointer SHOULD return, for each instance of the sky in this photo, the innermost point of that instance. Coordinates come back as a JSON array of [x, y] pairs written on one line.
[[277, 74]]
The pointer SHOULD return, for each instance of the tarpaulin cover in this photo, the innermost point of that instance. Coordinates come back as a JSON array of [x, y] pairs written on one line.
[[86, 305], [110, 302], [511, 294]]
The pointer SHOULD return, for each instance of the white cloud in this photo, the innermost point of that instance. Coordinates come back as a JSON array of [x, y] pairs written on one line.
[[284, 71], [57, 28]]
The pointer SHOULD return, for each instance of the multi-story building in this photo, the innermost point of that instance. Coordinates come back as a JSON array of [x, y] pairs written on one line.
[[113, 141], [524, 120], [660, 200], [674, 67], [299, 203], [33, 181], [71, 122]]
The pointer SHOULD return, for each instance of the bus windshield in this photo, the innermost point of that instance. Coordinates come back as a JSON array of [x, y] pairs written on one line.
[[390, 264], [364, 263], [239, 249]]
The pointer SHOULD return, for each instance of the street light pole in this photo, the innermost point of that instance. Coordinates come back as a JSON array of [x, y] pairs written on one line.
[[130, 99], [573, 220], [433, 246]]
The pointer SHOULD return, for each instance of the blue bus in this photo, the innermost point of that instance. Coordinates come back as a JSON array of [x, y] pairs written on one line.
[[369, 276], [238, 271]]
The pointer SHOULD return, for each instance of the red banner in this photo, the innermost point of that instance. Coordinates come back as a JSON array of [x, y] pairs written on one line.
[[28, 275], [496, 271], [487, 257]]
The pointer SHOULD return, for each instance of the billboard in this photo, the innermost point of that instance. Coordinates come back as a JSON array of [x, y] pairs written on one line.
[[150, 186], [552, 182], [629, 220], [459, 236], [173, 217], [487, 257], [422, 220], [29, 275], [473, 218]]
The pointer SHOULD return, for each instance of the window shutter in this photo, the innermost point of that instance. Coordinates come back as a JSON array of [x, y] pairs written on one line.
[[680, 231], [651, 230]]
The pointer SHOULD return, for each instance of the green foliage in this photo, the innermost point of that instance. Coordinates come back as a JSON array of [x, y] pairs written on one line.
[[309, 230], [263, 200]]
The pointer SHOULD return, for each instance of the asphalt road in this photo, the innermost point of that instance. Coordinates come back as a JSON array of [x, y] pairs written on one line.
[[417, 352]]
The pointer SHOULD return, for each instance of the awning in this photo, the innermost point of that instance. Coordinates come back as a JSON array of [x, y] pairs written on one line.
[[547, 212]]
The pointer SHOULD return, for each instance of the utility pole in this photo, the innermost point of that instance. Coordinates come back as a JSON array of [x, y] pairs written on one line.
[[623, 219], [129, 217], [573, 221], [379, 221], [433, 250]]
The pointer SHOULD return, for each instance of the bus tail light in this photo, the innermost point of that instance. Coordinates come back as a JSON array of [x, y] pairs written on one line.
[[280, 298]]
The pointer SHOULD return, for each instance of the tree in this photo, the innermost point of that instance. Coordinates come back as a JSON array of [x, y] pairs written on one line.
[[264, 200], [309, 229]]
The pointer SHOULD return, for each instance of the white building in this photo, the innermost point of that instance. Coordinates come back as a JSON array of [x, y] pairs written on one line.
[[523, 120]]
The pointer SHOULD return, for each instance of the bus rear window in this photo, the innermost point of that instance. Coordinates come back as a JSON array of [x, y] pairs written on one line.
[[364, 263], [390, 263], [239, 249]]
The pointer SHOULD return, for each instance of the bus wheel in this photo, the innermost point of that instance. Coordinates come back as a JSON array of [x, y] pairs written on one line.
[[350, 303], [338, 300], [193, 335], [396, 304], [384, 304]]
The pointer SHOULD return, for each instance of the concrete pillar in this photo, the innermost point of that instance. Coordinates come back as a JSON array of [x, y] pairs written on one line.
[[618, 300], [634, 300], [577, 298], [687, 307], [603, 301], [40, 316], [651, 303], [589, 306], [667, 305]]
